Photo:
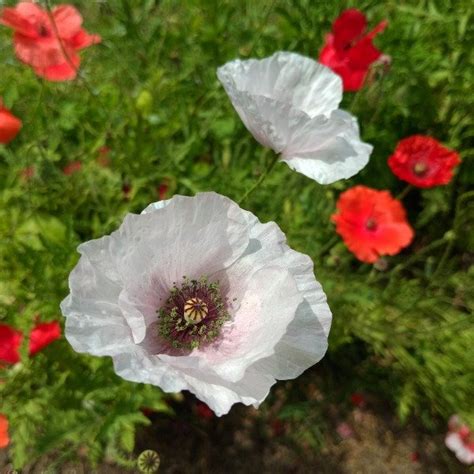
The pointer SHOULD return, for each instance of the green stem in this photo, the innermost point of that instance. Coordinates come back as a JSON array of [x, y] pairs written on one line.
[[261, 179], [404, 192], [444, 257]]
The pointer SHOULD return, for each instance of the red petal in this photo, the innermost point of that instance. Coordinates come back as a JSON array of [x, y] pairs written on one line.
[[9, 126], [83, 39], [42, 335], [4, 438], [363, 54], [64, 71], [68, 21], [10, 342], [24, 18], [348, 26]]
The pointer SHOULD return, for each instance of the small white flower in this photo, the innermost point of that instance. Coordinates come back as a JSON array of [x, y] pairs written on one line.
[[289, 103], [248, 310]]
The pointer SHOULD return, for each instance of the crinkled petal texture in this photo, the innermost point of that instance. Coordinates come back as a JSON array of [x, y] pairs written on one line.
[[290, 104], [279, 316]]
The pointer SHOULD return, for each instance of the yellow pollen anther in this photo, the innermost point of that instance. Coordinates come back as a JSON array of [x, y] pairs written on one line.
[[195, 310]]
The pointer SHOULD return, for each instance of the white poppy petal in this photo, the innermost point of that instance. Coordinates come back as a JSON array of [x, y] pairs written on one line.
[[289, 103], [326, 149]]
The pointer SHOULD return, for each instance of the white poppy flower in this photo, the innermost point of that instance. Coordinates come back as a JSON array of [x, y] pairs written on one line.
[[196, 294], [289, 103]]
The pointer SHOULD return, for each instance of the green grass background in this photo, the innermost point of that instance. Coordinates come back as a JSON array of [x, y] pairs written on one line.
[[149, 92]]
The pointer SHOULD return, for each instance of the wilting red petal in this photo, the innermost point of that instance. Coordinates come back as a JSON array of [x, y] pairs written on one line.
[[349, 26], [423, 161], [9, 125], [4, 438], [371, 223], [43, 335], [10, 342]]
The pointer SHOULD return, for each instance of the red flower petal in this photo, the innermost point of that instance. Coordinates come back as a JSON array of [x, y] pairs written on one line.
[[4, 438], [358, 399], [10, 342], [348, 52], [423, 161], [43, 335], [24, 18], [67, 20], [371, 223], [72, 168], [48, 46], [349, 26], [9, 125]]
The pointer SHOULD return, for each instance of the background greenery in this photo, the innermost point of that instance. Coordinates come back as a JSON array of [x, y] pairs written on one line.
[[149, 93]]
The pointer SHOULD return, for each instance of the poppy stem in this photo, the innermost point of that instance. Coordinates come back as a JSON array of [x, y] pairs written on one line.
[[404, 192], [261, 179]]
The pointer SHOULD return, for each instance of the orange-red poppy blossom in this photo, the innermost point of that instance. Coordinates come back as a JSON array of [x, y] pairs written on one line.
[[372, 223]]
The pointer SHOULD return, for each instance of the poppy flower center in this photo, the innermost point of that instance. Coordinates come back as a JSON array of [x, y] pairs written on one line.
[[371, 224], [195, 310], [193, 314], [43, 30], [420, 168]]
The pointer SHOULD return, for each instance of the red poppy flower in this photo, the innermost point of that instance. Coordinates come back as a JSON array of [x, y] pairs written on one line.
[[9, 125], [103, 158], [72, 168], [162, 190], [48, 42], [42, 335], [10, 342], [371, 223], [348, 50], [423, 161], [4, 438], [358, 399], [28, 173]]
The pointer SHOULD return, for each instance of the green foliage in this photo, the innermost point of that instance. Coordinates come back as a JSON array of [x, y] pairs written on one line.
[[149, 93]]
